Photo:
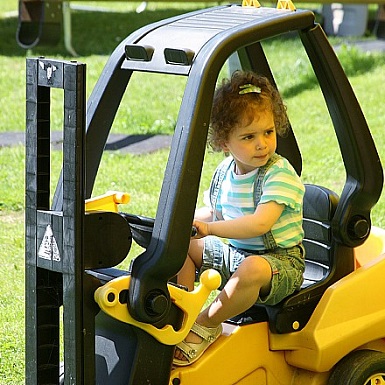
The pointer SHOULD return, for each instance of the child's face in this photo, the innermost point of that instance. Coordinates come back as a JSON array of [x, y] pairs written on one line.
[[252, 145]]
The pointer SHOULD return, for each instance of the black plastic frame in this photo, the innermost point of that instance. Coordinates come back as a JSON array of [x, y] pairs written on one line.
[[54, 239]]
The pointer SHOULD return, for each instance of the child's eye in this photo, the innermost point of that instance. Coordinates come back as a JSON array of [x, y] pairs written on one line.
[[269, 132], [248, 137]]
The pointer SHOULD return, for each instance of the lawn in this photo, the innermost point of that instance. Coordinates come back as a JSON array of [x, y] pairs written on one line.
[[95, 35]]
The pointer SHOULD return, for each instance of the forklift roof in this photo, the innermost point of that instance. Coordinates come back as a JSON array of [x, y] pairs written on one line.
[[172, 47]]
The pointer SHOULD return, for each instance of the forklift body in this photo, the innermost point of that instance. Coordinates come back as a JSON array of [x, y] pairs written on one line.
[[121, 327]]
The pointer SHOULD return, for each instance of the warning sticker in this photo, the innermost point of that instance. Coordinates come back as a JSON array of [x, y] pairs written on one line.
[[48, 248]]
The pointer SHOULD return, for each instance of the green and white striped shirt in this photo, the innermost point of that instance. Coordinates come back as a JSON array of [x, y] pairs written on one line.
[[280, 184]]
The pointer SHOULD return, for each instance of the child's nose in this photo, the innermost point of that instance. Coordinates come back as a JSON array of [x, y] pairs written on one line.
[[260, 144]]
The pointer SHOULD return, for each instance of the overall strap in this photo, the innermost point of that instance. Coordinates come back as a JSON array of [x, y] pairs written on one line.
[[216, 184], [268, 238]]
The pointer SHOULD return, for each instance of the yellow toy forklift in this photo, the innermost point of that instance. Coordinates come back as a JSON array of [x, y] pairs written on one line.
[[121, 327]]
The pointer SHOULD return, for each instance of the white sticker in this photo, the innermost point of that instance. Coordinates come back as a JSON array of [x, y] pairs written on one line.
[[48, 248]]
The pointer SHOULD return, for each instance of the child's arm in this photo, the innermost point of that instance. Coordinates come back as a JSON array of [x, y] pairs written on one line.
[[248, 226]]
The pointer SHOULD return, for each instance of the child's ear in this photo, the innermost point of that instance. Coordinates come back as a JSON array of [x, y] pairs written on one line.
[[224, 147]]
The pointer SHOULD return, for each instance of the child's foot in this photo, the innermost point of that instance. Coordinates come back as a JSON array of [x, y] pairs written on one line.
[[195, 344]]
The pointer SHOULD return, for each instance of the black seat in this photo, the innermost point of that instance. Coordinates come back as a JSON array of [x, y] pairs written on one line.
[[325, 262], [319, 207]]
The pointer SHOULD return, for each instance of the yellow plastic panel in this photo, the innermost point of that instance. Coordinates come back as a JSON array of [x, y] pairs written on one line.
[[241, 355], [371, 248], [190, 303], [350, 314]]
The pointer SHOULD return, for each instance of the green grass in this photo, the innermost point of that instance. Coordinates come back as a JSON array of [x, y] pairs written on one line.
[[11, 299], [95, 35]]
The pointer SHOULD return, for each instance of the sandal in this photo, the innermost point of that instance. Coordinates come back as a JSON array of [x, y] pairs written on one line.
[[193, 351]]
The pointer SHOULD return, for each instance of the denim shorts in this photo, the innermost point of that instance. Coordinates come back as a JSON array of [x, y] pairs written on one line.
[[287, 266]]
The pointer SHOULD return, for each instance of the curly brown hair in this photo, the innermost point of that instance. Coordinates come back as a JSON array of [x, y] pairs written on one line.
[[230, 108]]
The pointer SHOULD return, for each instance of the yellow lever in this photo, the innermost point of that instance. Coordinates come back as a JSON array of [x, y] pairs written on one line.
[[190, 303], [107, 202]]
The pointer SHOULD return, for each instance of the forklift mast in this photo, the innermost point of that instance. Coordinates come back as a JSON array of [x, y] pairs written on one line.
[[54, 239]]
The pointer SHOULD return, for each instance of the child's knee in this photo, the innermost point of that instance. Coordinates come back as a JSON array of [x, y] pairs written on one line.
[[256, 269], [195, 251]]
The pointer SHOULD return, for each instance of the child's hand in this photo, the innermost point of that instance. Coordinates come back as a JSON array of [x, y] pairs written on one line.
[[201, 229]]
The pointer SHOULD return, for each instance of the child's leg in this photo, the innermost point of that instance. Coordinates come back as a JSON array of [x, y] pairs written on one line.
[[252, 277], [186, 275]]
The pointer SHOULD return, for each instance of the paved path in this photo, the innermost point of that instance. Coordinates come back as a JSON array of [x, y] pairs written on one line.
[[377, 45], [134, 144]]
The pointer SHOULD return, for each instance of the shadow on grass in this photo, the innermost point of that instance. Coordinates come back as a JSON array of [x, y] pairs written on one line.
[[353, 60], [93, 33], [98, 33]]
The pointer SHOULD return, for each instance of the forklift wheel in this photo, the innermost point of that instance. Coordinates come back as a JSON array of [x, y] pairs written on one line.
[[362, 367]]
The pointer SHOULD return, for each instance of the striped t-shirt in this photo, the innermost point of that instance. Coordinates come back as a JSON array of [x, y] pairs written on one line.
[[280, 184]]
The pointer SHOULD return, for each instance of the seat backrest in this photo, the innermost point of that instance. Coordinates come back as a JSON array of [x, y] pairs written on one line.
[[326, 262], [319, 206]]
